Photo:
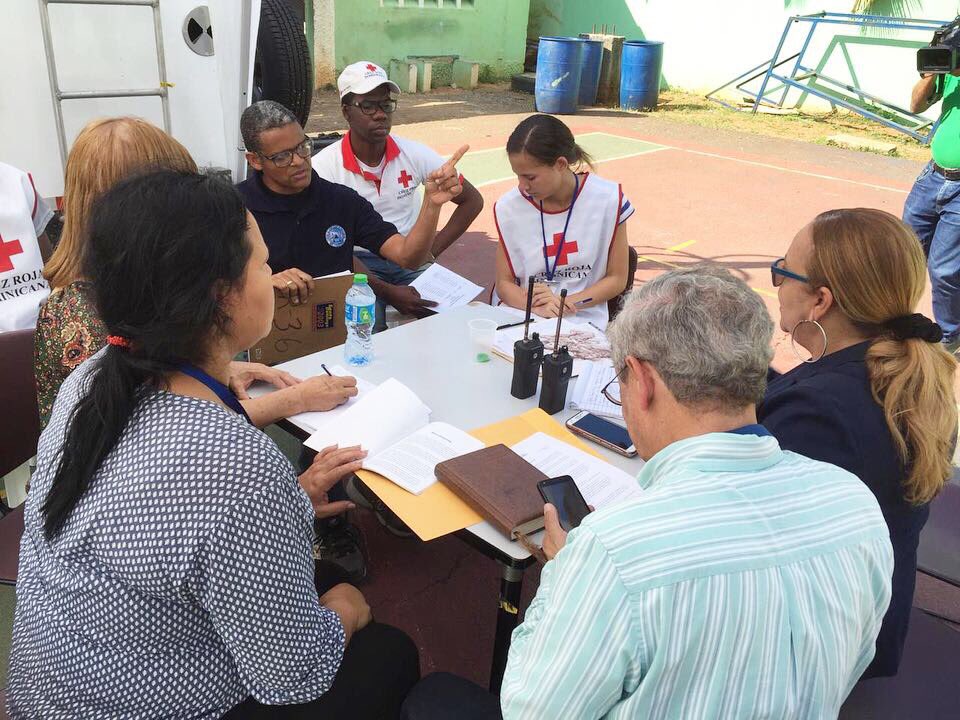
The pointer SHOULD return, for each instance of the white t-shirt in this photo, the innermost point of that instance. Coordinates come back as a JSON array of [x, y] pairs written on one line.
[[393, 190], [576, 260], [23, 216]]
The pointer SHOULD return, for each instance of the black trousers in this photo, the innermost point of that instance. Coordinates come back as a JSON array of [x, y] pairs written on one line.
[[380, 665], [442, 696]]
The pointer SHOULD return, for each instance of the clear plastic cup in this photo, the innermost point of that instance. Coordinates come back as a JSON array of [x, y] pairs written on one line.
[[482, 333]]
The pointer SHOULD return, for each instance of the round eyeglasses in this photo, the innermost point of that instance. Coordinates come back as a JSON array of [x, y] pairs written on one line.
[[285, 157], [370, 107]]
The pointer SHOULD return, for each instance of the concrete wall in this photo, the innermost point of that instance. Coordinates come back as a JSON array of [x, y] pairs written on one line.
[[707, 42], [491, 32]]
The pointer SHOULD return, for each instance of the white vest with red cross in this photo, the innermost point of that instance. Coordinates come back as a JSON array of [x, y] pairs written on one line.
[[580, 258], [22, 216]]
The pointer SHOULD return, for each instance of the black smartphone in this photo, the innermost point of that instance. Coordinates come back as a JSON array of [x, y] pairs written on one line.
[[562, 492], [603, 432]]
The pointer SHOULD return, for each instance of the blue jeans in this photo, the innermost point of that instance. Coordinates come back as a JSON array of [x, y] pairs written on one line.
[[933, 211], [390, 273]]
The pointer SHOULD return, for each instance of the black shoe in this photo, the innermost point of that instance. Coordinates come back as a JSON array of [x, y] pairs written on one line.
[[343, 545], [363, 496]]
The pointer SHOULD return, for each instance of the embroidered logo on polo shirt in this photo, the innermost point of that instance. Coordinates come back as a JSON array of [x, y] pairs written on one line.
[[336, 236]]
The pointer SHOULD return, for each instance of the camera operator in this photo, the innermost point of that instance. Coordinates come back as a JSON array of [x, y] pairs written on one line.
[[933, 206]]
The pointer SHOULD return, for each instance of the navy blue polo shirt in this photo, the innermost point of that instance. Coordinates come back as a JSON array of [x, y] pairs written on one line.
[[316, 229]]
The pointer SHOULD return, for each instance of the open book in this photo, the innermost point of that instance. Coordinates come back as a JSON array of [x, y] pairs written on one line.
[[393, 425]]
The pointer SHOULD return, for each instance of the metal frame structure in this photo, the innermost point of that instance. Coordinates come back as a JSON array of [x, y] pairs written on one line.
[[806, 79], [60, 95]]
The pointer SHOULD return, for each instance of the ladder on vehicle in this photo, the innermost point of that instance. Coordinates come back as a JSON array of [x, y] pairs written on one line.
[[60, 95]]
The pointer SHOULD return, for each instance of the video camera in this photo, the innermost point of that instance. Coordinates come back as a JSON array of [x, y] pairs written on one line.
[[944, 50]]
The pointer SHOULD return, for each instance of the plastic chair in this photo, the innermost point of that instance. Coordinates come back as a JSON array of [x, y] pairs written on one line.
[[938, 554], [19, 432], [926, 685], [614, 304]]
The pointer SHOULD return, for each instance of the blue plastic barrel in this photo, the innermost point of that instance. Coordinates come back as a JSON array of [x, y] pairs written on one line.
[[590, 62], [640, 74], [558, 75]]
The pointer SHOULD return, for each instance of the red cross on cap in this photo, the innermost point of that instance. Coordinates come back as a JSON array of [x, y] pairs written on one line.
[[371, 67], [7, 251], [569, 248]]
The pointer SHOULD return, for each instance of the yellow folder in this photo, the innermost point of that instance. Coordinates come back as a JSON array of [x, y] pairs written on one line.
[[438, 511]]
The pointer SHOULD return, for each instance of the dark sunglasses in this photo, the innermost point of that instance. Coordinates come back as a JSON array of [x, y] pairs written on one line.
[[285, 157], [778, 272], [369, 107]]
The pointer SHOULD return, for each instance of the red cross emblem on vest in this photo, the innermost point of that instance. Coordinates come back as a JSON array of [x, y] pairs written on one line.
[[569, 248], [405, 179], [7, 251], [371, 67]]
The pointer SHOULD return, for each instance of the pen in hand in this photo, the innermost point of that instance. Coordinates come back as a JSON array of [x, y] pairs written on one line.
[[326, 370]]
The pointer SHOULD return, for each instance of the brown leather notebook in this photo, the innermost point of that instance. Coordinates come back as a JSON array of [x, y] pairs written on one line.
[[500, 485]]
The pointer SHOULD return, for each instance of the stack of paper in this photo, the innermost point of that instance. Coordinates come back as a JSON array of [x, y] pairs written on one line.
[[587, 394]]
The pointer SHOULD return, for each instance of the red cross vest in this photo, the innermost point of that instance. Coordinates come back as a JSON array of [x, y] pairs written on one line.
[[22, 286], [582, 261]]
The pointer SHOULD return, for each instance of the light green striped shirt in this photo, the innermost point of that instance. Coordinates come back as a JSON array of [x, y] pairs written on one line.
[[747, 582]]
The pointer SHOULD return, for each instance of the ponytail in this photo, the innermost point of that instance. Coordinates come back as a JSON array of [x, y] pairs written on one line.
[[913, 381], [94, 427], [547, 139]]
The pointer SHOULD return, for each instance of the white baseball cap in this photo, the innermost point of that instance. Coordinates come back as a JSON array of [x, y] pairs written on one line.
[[362, 77]]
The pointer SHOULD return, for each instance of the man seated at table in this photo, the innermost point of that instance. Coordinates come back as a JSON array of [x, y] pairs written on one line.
[[311, 226], [387, 170], [746, 582]]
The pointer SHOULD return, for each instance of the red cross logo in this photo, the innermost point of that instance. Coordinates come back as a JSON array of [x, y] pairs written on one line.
[[7, 251], [405, 179], [371, 67], [568, 248]]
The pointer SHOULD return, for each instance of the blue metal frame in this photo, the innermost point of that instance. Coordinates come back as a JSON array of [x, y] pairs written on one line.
[[805, 78]]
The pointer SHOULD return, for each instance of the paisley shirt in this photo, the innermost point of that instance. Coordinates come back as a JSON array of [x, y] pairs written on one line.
[[69, 331]]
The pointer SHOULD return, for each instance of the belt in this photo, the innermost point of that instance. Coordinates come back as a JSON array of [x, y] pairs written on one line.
[[948, 174]]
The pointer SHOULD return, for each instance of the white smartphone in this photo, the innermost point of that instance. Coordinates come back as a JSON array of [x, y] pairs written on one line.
[[603, 432]]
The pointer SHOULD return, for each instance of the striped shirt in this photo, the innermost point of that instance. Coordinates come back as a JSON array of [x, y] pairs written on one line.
[[747, 582]]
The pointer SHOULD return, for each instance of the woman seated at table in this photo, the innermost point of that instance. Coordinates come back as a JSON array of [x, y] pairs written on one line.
[[876, 397], [564, 226], [166, 566], [69, 329]]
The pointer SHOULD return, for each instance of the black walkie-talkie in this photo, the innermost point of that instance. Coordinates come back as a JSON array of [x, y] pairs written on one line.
[[527, 356], [557, 369]]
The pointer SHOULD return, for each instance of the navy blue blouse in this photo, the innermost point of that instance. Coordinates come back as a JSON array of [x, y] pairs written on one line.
[[826, 411]]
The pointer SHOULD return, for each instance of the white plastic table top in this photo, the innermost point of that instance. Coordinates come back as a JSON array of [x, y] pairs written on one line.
[[432, 357]]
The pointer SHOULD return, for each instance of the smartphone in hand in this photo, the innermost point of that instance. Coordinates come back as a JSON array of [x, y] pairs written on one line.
[[562, 492]]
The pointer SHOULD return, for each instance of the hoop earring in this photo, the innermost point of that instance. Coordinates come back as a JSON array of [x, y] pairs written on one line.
[[793, 342]]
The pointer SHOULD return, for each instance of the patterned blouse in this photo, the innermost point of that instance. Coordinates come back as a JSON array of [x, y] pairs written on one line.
[[181, 582], [69, 331]]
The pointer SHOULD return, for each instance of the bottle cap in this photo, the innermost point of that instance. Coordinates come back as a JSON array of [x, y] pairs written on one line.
[[360, 279]]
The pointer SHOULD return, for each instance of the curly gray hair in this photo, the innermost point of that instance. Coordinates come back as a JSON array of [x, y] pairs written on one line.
[[260, 117], [706, 333]]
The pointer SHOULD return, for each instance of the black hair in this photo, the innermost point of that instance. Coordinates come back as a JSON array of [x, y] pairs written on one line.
[[163, 250], [546, 139]]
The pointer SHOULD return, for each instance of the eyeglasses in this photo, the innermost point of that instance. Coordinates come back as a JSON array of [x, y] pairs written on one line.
[[611, 391], [285, 157], [778, 272], [369, 107]]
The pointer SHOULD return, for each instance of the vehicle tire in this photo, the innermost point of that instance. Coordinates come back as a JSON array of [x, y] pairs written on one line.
[[282, 70]]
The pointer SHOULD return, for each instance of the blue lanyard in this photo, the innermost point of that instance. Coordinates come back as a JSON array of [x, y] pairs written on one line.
[[220, 390], [563, 238]]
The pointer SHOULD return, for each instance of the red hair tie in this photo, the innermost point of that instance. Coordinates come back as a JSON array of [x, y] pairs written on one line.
[[118, 341]]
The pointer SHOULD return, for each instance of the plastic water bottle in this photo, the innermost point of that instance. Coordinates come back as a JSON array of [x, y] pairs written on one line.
[[360, 308]]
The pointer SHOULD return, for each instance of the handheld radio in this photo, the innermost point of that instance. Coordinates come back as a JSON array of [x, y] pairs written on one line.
[[527, 356], [557, 369]]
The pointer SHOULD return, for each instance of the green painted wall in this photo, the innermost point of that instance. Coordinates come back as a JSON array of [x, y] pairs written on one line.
[[571, 17], [491, 32]]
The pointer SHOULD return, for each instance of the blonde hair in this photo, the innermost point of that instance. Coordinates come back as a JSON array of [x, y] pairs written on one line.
[[875, 268], [105, 152]]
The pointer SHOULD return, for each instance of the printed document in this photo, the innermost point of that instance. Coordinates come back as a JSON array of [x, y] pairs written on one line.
[[445, 288]]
